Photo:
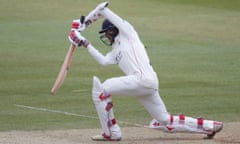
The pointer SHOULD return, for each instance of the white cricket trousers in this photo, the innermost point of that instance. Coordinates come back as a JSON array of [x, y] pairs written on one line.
[[149, 98]]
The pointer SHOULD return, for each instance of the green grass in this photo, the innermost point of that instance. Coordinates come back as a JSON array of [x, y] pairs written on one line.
[[193, 46]]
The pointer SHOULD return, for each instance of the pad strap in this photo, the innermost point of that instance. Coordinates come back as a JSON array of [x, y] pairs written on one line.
[[103, 97], [200, 122]]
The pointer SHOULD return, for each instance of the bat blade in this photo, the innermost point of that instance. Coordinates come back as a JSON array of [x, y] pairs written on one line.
[[63, 71]]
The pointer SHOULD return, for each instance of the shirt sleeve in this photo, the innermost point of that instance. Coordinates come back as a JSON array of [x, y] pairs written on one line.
[[100, 58]]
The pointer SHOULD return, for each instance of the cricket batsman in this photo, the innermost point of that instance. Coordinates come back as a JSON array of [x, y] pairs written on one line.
[[140, 79]]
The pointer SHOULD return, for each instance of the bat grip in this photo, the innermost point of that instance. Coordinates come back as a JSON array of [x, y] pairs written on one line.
[[82, 18]]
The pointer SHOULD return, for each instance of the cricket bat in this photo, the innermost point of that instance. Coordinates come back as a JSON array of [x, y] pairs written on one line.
[[63, 71]]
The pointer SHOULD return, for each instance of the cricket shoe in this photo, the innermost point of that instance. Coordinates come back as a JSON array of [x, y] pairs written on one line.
[[103, 137], [217, 127]]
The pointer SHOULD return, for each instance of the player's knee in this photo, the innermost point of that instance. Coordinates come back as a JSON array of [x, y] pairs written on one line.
[[98, 92], [96, 89]]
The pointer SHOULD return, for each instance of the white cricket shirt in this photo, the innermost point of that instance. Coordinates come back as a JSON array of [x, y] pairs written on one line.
[[127, 51]]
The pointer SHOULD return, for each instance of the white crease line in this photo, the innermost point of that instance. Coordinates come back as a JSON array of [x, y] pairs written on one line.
[[72, 114], [54, 111], [79, 91]]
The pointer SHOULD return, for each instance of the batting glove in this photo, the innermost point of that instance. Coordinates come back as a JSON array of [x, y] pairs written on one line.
[[79, 24], [77, 39]]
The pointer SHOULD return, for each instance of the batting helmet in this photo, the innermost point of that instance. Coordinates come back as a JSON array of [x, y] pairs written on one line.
[[111, 29], [106, 25]]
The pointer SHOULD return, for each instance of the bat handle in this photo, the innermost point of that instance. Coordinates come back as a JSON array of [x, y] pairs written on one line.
[[82, 18]]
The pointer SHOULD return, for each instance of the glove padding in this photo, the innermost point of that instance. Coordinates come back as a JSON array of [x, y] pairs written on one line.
[[77, 39]]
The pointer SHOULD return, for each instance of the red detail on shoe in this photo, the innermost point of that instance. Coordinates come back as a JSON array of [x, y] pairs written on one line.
[[200, 122], [181, 118], [156, 124], [109, 106], [171, 118], [106, 136], [170, 128], [103, 97], [109, 138]]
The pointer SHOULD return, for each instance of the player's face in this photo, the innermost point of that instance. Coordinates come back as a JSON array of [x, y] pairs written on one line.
[[108, 34], [107, 38]]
